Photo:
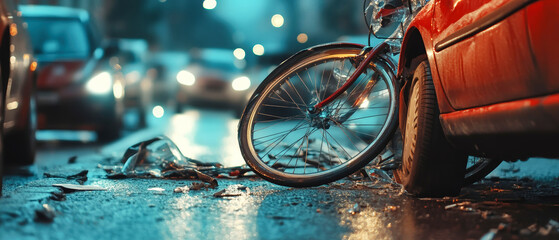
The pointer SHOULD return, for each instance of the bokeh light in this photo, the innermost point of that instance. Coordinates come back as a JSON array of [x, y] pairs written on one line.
[[158, 111], [239, 53], [302, 38], [186, 78], [258, 50], [241, 83], [277, 20], [209, 4]]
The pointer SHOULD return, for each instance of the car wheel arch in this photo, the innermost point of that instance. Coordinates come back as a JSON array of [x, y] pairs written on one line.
[[412, 53]]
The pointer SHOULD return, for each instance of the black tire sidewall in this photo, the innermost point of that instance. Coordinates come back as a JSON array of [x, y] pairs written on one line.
[[435, 169]]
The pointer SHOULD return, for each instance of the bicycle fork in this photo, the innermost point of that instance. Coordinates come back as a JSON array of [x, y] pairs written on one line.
[[359, 70]]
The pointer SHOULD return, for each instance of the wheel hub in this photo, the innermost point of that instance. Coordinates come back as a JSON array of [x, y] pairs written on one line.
[[318, 118]]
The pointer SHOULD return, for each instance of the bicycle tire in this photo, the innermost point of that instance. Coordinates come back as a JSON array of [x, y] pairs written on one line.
[[282, 100], [478, 168]]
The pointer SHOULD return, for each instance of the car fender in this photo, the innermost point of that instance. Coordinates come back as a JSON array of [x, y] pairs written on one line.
[[417, 41]]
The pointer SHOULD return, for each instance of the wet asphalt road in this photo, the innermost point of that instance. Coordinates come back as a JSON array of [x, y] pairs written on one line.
[[520, 201]]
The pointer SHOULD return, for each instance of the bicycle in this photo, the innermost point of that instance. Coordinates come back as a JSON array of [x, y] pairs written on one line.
[[327, 111]]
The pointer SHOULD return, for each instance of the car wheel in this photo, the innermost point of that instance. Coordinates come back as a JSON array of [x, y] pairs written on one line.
[[19, 145], [430, 167]]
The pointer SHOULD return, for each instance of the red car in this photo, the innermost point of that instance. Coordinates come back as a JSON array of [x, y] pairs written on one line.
[[75, 90], [478, 78]]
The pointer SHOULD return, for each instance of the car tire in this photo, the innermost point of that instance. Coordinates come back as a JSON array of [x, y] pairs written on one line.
[[20, 144], [430, 167]]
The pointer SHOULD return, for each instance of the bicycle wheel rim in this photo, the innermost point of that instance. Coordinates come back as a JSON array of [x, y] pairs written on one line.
[[267, 161]]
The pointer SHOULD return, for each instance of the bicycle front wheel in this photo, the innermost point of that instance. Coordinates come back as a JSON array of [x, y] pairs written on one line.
[[287, 143]]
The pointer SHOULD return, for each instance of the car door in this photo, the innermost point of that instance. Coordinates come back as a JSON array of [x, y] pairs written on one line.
[[482, 51]]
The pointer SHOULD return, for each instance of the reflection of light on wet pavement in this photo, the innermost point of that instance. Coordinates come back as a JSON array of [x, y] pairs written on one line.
[[231, 151], [369, 223], [194, 216], [209, 136], [183, 221], [182, 132]]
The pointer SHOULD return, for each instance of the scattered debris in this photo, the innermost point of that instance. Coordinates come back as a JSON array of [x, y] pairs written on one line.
[[80, 177], [234, 190], [183, 189], [553, 223], [45, 214], [74, 187], [58, 196], [450, 206], [462, 206], [544, 231], [72, 159], [161, 158], [195, 186], [355, 209], [391, 208], [157, 190]]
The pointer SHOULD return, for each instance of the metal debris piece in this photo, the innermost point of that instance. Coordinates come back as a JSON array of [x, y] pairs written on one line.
[[155, 173], [450, 206], [390, 208], [544, 231], [45, 214], [234, 190], [72, 159], [195, 186], [553, 223], [161, 158], [183, 189], [58, 196], [156, 189], [490, 235], [80, 177], [533, 227], [461, 206], [74, 187], [355, 209]]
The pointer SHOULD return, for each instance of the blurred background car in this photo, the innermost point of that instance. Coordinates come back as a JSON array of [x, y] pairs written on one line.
[[17, 102], [74, 91], [164, 67], [18, 84], [213, 78], [129, 56]]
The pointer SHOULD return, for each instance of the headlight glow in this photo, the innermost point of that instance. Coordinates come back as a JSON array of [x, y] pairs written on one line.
[[186, 78], [118, 90], [100, 83], [241, 83]]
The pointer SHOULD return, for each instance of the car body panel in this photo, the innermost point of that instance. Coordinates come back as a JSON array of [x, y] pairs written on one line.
[[489, 67], [497, 84], [543, 38]]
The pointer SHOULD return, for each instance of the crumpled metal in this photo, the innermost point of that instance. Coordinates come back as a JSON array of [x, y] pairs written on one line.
[[160, 157]]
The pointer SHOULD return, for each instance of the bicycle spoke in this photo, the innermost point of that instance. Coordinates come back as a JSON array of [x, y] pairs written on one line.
[[295, 145]]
